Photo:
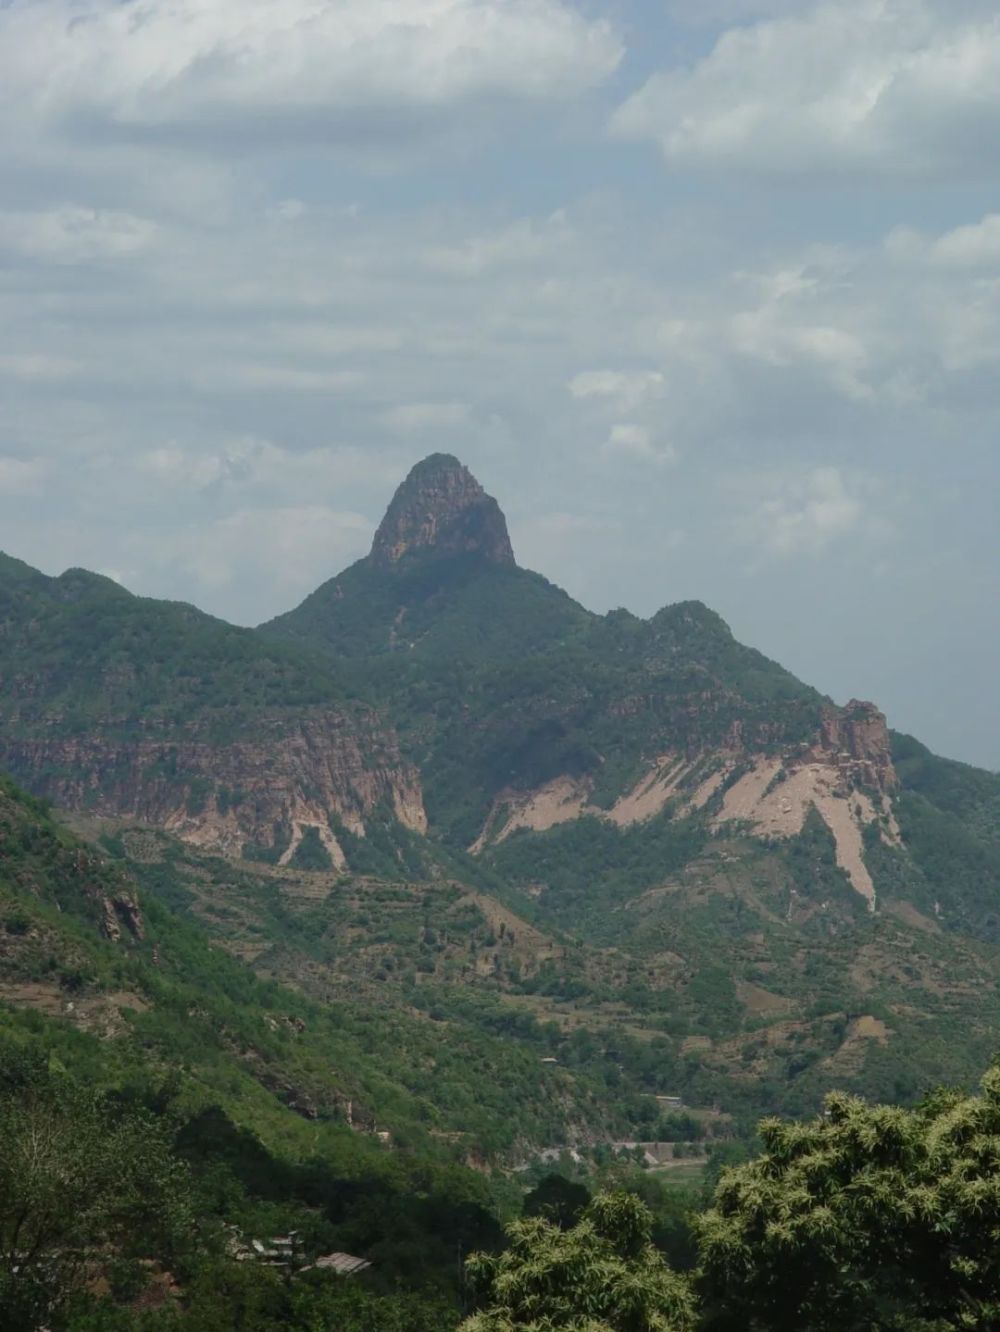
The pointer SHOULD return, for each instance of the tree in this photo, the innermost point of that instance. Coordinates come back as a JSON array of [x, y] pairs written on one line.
[[870, 1217], [603, 1275], [557, 1199], [81, 1177]]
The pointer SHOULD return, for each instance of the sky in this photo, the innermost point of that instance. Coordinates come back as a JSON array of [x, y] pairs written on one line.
[[706, 292]]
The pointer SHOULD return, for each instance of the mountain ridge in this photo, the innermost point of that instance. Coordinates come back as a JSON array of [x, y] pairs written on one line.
[[126, 705], [708, 874], [568, 714], [434, 684]]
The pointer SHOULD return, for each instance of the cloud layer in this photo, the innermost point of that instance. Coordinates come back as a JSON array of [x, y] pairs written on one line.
[[904, 87], [258, 258], [261, 70]]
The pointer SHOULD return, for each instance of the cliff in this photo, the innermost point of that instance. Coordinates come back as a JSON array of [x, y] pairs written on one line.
[[246, 796]]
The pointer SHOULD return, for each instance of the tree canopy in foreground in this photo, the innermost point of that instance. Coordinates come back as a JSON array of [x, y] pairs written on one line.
[[871, 1217], [602, 1275], [866, 1219]]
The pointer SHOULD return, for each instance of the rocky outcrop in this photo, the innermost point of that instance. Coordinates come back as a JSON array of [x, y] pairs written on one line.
[[120, 911], [844, 772], [857, 738], [112, 892], [846, 775], [319, 767], [441, 507]]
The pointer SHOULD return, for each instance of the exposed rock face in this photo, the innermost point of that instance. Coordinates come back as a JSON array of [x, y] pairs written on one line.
[[112, 892], [846, 774], [265, 792], [122, 909], [858, 737], [441, 507]]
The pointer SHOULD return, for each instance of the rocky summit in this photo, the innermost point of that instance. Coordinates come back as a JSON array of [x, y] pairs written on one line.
[[442, 508]]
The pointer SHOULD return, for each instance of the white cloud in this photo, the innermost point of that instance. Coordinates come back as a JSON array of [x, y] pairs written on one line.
[[32, 366], [976, 245], [269, 70], [544, 540], [627, 439], [22, 476], [262, 469], [770, 335], [520, 243], [284, 550], [415, 417], [702, 13], [803, 515], [623, 389], [273, 378], [71, 234], [328, 340], [891, 87]]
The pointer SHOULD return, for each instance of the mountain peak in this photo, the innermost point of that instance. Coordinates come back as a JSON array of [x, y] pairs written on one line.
[[441, 507]]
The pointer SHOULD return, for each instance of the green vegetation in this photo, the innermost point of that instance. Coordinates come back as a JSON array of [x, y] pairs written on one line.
[[113, 1203], [868, 1217], [590, 867], [460, 607], [82, 649], [662, 958], [968, 794], [79, 1172], [494, 678], [751, 978], [602, 1275], [285, 1062], [127, 1210], [871, 1217]]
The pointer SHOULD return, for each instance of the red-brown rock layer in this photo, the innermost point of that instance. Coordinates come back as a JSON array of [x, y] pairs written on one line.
[[225, 795]]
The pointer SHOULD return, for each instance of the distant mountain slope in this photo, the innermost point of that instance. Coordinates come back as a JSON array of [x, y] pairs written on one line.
[[523, 710], [440, 582], [949, 816], [85, 947], [655, 960], [714, 878], [122, 704]]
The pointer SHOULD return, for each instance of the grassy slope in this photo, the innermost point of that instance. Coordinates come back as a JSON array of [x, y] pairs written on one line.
[[494, 676], [758, 961], [950, 817]]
